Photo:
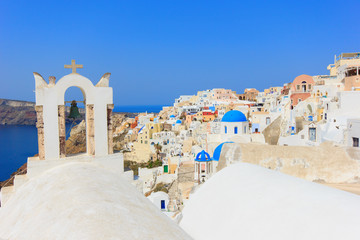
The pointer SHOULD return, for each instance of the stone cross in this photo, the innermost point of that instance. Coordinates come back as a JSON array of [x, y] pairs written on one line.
[[73, 66]]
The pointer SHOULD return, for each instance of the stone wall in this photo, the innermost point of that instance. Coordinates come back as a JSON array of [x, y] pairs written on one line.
[[272, 132], [324, 163]]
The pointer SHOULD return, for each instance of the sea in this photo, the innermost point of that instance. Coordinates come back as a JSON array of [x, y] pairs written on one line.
[[17, 143]]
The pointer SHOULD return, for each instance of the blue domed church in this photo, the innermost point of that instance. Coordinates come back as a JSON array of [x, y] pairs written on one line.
[[234, 122]]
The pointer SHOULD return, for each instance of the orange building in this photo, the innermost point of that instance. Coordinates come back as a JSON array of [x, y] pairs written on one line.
[[301, 88]]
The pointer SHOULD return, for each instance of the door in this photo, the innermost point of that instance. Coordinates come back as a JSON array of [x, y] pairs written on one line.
[[162, 204], [312, 134], [355, 142]]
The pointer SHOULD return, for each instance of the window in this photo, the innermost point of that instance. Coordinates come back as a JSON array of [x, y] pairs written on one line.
[[225, 129], [267, 121], [355, 142], [245, 129], [162, 204], [235, 130]]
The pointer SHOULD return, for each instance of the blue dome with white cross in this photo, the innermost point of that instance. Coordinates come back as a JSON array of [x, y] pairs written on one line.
[[234, 116]]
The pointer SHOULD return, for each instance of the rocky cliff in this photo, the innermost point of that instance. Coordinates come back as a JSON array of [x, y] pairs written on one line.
[[76, 143], [13, 112]]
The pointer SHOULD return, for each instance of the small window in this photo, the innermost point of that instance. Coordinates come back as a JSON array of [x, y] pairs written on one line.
[[355, 142], [225, 129], [162, 204], [235, 130], [267, 120]]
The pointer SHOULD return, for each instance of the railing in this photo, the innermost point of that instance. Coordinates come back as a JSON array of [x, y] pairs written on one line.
[[11, 178]]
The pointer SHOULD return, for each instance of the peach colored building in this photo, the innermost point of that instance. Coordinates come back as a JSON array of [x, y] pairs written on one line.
[[301, 88], [226, 95]]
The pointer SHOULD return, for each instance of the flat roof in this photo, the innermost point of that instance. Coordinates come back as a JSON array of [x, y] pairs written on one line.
[[349, 55]]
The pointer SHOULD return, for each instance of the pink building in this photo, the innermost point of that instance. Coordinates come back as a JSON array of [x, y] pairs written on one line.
[[226, 95]]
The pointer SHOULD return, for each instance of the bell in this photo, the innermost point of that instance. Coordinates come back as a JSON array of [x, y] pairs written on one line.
[[74, 111]]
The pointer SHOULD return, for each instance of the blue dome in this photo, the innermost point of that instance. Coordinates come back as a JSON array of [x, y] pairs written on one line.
[[172, 116], [234, 116], [178, 121], [217, 151], [202, 157]]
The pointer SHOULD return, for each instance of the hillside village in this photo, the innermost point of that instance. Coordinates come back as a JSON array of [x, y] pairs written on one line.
[[309, 129], [289, 128]]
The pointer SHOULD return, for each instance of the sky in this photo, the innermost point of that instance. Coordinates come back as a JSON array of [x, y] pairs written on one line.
[[159, 50]]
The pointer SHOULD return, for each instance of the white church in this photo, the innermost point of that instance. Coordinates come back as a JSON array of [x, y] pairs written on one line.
[[84, 196]]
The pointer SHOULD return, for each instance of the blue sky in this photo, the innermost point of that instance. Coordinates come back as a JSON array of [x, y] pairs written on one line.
[[158, 50]]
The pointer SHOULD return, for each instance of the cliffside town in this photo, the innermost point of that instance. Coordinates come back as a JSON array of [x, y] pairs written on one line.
[[289, 128], [292, 139], [185, 144]]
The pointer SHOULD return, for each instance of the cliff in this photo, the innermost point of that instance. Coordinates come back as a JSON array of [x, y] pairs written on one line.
[[76, 143], [13, 112]]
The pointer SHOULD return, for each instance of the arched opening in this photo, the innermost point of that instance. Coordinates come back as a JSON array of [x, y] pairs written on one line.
[[72, 122], [304, 86]]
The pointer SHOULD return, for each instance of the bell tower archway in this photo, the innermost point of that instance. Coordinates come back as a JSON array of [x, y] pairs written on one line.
[[50, 108]]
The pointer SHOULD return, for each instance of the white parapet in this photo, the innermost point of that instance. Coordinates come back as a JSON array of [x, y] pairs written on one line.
[[6, 193], [19, 180]]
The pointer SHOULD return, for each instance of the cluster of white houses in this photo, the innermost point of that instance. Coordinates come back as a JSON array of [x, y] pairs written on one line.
[[306, 111]]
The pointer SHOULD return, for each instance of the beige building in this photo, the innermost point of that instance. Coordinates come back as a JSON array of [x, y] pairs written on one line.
[[349, 59], [249, 94]]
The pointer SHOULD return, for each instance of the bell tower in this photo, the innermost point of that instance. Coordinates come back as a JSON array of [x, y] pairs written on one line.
[[50, 109]]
